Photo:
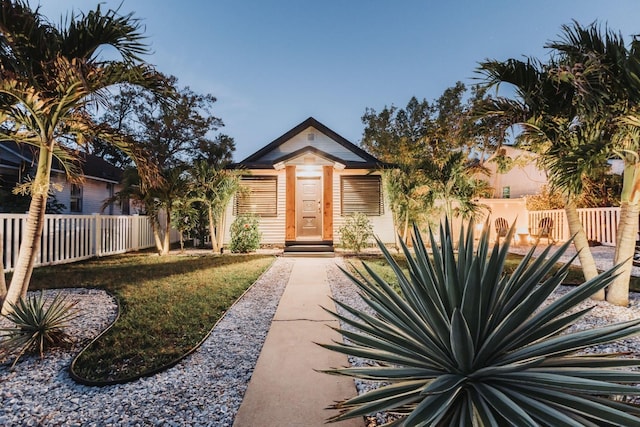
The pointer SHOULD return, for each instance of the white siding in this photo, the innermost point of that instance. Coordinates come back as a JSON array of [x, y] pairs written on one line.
[[94, 193], [320, 141], [272, 228], [382, 224]]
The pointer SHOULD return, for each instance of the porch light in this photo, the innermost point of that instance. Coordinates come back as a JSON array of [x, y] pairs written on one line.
[[307, 170]]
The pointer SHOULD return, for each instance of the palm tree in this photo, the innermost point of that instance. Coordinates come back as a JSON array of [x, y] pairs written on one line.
[[605, 75], [49, 76], [544, 108], [214, 187], [409, 198], [453, 181], [158, 199]]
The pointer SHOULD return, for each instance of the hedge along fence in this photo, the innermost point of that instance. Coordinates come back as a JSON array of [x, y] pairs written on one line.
[[70, 238]]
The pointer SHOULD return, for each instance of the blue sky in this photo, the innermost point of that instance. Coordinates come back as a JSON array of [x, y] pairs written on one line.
[[272, 64]]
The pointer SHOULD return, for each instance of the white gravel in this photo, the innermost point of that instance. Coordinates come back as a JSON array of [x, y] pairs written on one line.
[[205, 389], [602, 314]]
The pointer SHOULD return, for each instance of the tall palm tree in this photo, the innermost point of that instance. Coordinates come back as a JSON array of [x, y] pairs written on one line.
[[49, 76], [544, 107], [605, 75]]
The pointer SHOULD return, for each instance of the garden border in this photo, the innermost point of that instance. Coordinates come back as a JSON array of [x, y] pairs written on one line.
[[80, 380]]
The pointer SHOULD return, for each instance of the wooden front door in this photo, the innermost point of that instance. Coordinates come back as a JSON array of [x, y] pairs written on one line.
[[309, 208]]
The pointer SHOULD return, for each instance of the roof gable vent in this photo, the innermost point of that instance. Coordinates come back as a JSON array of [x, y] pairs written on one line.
[[311, 136]]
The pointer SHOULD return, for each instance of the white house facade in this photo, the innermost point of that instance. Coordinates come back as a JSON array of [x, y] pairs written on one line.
[[101, 180], [305, 183]]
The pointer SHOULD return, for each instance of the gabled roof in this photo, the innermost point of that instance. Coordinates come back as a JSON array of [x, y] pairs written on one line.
[[267, 157], [92, 166]]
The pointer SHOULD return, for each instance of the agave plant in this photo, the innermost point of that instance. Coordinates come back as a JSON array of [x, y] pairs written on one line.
[[465, 344], [37, 326]]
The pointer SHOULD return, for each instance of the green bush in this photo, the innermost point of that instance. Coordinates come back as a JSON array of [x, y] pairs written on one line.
[[464, 344], [37, 326], [356, 232], [245, 236]]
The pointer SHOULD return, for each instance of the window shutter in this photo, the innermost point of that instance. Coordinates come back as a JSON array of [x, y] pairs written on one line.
[[260, 198], [362, 194]]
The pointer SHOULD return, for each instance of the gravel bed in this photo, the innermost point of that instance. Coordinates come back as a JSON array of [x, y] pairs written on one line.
[[602, 314], [205, 389], [602, 255]]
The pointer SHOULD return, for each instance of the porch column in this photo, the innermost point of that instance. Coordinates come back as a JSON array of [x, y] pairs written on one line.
[[327, 196], [290, 204]]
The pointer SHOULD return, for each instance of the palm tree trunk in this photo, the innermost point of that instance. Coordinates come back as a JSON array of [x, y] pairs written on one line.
[[581, 244], [405, 233], [212, 231], [221, 226], [167, 233], [396, 234], [618, 292], [155, 227], [33, 231]]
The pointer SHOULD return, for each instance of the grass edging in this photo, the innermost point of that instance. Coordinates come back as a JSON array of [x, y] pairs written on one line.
[[84, 381]]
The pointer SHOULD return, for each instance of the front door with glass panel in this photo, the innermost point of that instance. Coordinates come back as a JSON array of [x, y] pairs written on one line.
[[309, 209]]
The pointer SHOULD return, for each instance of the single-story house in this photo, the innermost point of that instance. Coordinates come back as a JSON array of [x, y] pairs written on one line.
[[303, 184], [101, 180]]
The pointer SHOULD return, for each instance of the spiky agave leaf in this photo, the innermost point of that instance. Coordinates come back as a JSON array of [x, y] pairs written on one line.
[[463, 343], [37, 325]]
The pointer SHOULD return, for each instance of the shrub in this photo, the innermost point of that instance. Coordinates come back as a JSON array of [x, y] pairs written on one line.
[[245, 236], [356, 232], [464, 344], [546, 199], [37, 326]]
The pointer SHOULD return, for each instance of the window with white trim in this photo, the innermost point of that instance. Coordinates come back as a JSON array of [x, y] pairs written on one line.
[[260, 196], [361, 193]]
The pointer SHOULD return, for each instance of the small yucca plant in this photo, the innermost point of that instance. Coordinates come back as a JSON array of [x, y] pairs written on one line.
[[37, 326], [465, 344]]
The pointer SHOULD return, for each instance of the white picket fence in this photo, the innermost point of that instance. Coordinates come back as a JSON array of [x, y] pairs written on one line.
[[600, 224], [69, 238]]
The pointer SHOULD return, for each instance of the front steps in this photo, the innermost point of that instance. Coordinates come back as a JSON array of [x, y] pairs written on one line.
[[309, 249]]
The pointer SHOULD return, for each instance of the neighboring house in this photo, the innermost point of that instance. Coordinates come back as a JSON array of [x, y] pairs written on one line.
[[101, 180], [304, 183], [522, 178]]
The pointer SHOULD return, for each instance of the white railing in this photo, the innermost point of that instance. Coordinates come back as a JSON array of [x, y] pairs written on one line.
[[69, 238], [600, 224]]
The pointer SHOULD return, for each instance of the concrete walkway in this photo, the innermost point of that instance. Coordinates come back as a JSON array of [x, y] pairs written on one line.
[[285, 390]]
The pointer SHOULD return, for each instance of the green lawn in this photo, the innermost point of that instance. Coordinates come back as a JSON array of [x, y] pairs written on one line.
[[168, 305]]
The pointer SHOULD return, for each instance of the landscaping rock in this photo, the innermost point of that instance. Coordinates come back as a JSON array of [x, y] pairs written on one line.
[[205, 389]]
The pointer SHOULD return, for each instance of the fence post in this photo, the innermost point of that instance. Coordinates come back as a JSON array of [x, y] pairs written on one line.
[[135, 232], [98, 234], [566, 234]]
